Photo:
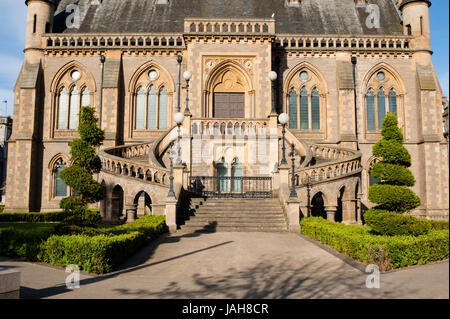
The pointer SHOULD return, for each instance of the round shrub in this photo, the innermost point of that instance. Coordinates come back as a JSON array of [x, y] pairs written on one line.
[[393, 174], [392, 152], [397, 199], [391, 224]]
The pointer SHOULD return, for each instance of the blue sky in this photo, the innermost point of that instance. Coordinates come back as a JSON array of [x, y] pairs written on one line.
[[12, 41]]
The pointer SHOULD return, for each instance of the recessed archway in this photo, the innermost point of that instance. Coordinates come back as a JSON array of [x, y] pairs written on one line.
[[229, 92]]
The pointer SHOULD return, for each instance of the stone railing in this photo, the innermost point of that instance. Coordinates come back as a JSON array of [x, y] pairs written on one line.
[[119, 161], [295, 42], [343, 162], [217, 126], [86, 41], [229, 26]]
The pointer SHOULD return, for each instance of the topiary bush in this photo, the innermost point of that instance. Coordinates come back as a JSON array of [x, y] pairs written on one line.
[[391, 224], [85, 163], [392, 193]]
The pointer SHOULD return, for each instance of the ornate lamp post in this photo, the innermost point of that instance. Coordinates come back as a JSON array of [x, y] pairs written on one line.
[[171, 156], [179, 118], [308, 183], [273, 77], [102, 62], [179, 60], [284, 119], [187, 76], [293, 192]]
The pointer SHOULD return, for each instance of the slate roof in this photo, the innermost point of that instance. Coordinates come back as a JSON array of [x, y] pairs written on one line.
[[312, 17]]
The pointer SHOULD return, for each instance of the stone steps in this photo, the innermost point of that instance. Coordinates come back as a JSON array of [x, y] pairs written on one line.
[[235, 215]]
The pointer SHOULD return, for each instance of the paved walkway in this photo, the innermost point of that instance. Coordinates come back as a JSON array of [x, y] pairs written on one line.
[[234, 265]]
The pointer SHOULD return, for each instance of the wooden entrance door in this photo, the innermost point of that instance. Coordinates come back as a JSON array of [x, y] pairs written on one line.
[[229, 105]]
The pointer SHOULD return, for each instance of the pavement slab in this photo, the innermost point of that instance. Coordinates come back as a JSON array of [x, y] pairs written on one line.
[[234, 266]]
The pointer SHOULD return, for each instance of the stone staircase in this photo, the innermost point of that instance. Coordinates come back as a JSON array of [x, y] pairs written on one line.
[[235, 215]]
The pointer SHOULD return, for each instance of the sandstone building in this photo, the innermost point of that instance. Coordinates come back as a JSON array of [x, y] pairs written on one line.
[[341, 65]]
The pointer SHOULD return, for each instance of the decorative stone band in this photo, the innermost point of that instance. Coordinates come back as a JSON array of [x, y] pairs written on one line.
[[314, 42], [105, 41]]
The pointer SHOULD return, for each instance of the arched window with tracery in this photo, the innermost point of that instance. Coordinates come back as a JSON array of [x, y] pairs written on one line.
[[73, 89], [306, 101], [152, 99], [381, 97]]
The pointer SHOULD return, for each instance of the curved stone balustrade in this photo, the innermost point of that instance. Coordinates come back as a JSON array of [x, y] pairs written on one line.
[[343, 162], [112, 162], [218, 126]]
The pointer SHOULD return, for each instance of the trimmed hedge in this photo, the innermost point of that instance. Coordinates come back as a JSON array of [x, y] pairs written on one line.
[[33, 217], [392, 224], [439, 224], [23, 242], [387, 252], [101, 253]]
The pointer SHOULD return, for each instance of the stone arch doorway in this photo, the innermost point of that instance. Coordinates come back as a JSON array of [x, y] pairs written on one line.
[[229, 93], [117, 203], [318, 206], [143, 204]]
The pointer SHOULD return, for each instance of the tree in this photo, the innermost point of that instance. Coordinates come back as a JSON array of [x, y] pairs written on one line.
[[392, 193], [79, 176]]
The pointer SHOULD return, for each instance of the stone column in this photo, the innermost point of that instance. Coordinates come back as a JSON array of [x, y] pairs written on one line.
[[358, 208], [348, 211], [331, 212], [131, 211], [284, 174], [293, 214], [171, 214]]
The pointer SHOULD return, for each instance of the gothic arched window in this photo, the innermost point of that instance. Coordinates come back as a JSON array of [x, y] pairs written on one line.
[[304, 101], [304, 110], [293, 106], [381, 101], [163, 105], [72, 94], [59, 186], [140, 108], [315, 110], [381, 98], [393, 102], [74, 108], [63, 107], [152, 101]]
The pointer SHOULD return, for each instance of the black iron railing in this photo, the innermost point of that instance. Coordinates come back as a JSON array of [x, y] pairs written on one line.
[[231, 187]]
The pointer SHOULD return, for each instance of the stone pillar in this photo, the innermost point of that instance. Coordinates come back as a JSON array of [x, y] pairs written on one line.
[[131, 210], [171, 214], [331, 213], [284, 174], [178, 171], [348, 211], [293, 214], [358, 208], [273, 142]]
